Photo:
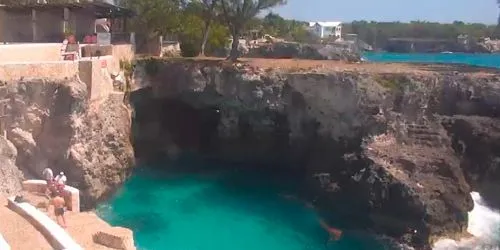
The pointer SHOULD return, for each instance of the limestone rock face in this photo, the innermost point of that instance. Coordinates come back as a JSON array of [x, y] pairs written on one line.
[[10, 175], [376, 148], [52, 124], [302, 51], [116, 238]]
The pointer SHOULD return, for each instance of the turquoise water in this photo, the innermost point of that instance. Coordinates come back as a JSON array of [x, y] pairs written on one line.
[[485, 60], [219, 211], [236, 210]]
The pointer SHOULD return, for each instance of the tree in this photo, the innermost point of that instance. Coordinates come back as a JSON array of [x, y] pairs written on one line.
[[208, 14], [238, 12], [156, 17], [194, 31]]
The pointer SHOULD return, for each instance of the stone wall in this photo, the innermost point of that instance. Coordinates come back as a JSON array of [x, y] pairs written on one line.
[[71, 194], [95, 73], [30, 52], [125, 52], [52, 70]]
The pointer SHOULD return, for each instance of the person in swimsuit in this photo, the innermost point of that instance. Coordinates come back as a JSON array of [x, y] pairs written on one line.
[[58, 202], [334, 233]]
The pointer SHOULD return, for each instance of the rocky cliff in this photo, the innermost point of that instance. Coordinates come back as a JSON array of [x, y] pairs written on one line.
[[394, 148], [52, 124]]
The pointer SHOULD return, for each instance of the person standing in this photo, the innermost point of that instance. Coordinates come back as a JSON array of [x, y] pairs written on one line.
[[59, 204]]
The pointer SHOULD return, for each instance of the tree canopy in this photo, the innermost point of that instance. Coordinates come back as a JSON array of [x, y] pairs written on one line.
[[211, 22], [237, 13]]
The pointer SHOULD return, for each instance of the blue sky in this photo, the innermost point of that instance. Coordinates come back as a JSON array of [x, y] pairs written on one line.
[[482, 11]]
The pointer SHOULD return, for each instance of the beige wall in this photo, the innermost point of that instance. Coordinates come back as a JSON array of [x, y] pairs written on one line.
[[52, 70], [91, 72], [125, 52], [97, 78], [30, 52], [38, 52]]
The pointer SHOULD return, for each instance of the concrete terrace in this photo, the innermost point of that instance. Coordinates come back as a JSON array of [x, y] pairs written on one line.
[[18, 232], [32, 224], [44, 61], [55, 234]]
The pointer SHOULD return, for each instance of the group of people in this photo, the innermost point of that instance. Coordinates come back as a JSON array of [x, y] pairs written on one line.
[[55, 190]]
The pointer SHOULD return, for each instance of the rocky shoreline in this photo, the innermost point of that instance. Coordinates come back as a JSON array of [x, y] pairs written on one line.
[[388, 135], [408, 141], [52, 123]]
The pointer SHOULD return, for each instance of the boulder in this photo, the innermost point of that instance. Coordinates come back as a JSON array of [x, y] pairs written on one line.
[[116, 238]]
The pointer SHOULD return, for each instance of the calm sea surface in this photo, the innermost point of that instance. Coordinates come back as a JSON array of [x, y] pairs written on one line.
[[235, 210], [485, 60]]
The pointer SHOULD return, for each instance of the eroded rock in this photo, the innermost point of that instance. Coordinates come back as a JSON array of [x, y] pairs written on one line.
[[10, 175], [116, 238], [391, 164], [52, 124]]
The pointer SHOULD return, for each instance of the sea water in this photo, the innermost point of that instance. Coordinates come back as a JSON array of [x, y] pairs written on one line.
[[484, 225], [221, 210], [485, 60]]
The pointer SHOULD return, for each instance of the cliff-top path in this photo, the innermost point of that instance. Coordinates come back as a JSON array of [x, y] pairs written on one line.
[[300, 65]]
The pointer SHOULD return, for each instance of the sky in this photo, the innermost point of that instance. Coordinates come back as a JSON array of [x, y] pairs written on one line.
[[444, 11]]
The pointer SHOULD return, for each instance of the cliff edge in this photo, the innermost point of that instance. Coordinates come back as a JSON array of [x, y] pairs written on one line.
[[391, 147]]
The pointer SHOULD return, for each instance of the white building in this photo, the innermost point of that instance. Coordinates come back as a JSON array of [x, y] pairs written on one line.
[[326, 29]]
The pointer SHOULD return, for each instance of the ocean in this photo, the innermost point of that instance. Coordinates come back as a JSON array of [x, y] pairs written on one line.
[[220, 210], [239, 210], [483, 60]]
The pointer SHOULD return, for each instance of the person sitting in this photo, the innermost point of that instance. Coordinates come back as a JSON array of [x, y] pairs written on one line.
[[61, 178], [70, 49], [60, 181]]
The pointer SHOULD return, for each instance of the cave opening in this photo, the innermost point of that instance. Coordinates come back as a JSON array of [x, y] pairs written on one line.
[[263, 156]]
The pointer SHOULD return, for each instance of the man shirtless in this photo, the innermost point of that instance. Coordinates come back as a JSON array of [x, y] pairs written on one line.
[[334, 233], [59, 203]]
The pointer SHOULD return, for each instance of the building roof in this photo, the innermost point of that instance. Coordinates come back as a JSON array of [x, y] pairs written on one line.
[[102, 8], [325, 24]]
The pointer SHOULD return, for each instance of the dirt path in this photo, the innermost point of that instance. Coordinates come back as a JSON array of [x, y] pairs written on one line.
[[18, 232]]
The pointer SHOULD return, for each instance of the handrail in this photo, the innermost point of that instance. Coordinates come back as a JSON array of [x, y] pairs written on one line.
[[55, 234]]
